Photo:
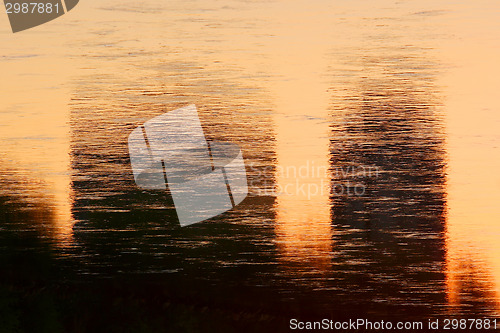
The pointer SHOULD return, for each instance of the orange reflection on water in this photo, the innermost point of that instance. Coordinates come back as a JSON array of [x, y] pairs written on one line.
[[473, 228], [35, 157], [303, 226]]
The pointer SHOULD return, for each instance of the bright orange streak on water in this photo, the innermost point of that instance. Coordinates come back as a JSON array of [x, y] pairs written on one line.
[[471, 90], [303, 226], [35, 138]]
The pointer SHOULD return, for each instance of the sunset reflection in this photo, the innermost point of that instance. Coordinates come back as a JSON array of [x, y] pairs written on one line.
[[303, 227], [35, 156], [370, 138], [473, 228]]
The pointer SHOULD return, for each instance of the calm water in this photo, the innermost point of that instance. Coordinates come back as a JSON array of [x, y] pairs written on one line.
[[370, 136]]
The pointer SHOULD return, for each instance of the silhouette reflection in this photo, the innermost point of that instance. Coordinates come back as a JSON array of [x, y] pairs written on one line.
[[388, 195], [125, 230]]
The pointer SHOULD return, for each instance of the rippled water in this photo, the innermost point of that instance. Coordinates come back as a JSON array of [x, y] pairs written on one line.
[[370, 136]]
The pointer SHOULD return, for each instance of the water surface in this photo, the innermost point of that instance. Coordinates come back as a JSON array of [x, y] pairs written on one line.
[[370, 136]]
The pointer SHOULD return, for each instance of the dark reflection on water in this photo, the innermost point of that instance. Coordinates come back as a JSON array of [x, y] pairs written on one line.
[[388, 252], [122, 229], [390, 227]]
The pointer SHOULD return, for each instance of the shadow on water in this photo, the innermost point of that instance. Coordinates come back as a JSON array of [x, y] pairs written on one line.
[[213, 274], [28, 267], [388, 189], [130, 230]]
